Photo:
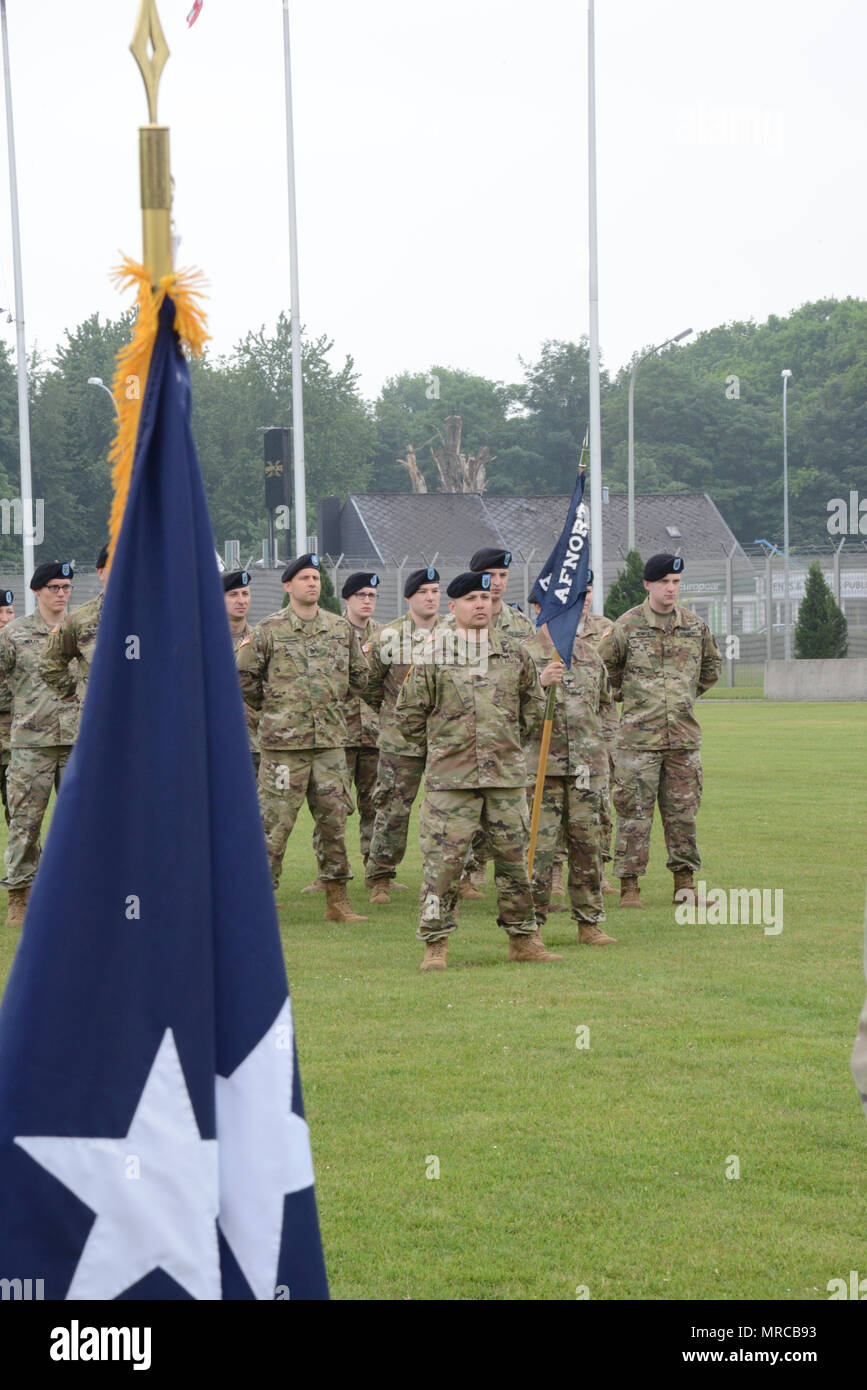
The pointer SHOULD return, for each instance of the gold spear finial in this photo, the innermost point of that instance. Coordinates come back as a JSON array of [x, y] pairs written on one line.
[[150, 50]]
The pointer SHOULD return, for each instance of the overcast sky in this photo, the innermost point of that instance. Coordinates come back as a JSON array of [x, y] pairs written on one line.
[[442, 168]]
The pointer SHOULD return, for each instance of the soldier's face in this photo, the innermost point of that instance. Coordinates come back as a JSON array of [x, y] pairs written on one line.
[[7, 613], [499, 580], [360, 606], [663, 592], [305, 586], [587, 602], [472, 610], [54, 596], [237, 602], [424, 602]]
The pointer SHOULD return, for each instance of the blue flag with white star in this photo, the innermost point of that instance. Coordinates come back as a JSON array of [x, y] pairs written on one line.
[[152, 1135], [561, 587]]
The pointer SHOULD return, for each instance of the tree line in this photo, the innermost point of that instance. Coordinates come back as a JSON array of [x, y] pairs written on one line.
[[708, 417]]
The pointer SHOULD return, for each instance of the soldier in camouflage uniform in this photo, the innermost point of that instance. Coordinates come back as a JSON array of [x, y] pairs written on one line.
[[43, 728], [299, 669], [401, 760], [7, 614], [474, 706], [237, 595], [512, 625], [359, 593], [74, 639], [595, 627], [659, 657], [576, 780]]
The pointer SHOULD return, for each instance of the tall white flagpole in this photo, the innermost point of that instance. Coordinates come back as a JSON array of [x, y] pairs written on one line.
[[27, 509], [595, 412], [295, 314]]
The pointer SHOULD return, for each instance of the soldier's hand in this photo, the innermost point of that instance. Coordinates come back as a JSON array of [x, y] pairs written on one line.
[[552, 674]]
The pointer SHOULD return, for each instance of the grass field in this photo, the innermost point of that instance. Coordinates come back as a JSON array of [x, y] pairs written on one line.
[[604, 1167]]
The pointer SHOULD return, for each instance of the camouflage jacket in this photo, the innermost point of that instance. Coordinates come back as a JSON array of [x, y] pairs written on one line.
[[243, 639], [300, 675], [658, 665], [577, 740], [596, 626], [74, 639], [400, 644], [41, 718], [362, 724], [476, 712]]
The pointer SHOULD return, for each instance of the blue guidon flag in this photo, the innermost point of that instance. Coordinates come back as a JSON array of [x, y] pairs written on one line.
[[562, 583], [153, 1143]]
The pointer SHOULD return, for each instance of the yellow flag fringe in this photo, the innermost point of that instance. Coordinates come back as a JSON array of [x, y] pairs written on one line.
[[185, 289]]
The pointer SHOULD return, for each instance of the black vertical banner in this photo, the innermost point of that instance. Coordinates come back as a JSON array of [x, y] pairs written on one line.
[[278, 468]]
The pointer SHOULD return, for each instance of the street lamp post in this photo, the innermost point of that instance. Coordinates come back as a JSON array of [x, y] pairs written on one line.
[[787, 612], [630, 505], [98, 381]]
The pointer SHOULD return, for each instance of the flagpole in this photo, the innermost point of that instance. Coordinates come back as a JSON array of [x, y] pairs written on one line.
[[595, 411], [27, 510], [150, 50], [295, 313], [540, 777]]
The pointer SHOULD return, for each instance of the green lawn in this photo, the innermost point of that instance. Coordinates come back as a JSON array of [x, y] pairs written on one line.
[[605, 1167]]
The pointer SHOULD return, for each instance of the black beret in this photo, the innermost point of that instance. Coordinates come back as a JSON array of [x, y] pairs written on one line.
[[489, 559], [52, 569], [589, 578], [6, 597], [359, 581], [304, 562], [102, 558], [658, 566], [236, 579], [415, 580], [470, 582]]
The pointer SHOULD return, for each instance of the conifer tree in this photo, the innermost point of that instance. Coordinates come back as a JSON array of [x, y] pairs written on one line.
[[628, 588], [821, 631]]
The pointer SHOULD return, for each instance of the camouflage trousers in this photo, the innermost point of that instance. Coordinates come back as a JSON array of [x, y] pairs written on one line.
[[4, 774], [671, 776], [397, 784], [31, 775], [605, 812], [286, 777], [361, 764], [571, 815], [448, 820]]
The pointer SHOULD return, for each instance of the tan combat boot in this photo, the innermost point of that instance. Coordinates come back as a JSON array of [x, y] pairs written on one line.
[[684, 887], [338, 908], [435, 953], [316, 886], [17, 906], [606, 886], [629, 894], [591, 934], [399, 887], [380, 891], [530, 948], [467, 889]]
